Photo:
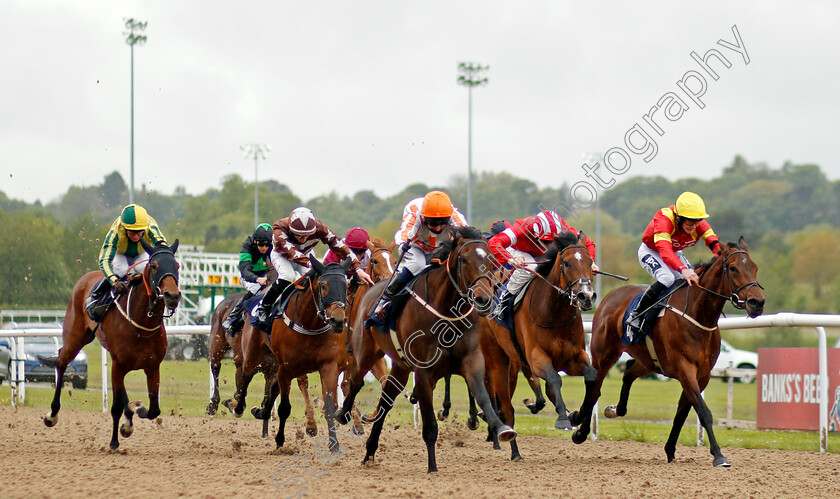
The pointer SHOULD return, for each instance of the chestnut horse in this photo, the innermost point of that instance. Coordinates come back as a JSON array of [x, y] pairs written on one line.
[[685, 342], [436, 334], [133, 334], [221, 343], [549, 331]]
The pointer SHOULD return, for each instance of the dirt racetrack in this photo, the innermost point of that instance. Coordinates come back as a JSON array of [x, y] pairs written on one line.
[[208, 457]]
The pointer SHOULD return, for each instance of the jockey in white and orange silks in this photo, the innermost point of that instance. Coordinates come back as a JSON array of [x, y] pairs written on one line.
[[426, 225]]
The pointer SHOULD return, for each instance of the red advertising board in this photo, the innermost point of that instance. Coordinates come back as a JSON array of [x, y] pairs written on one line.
[[789, 389]]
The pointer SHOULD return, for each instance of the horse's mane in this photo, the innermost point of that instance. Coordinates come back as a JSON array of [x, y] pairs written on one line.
[[458, 234], [701, 266], [561, 241]]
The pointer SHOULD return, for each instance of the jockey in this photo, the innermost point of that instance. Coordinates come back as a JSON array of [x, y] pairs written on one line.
[[426, 225], [672, 229], [122, 253], [524, 242], [356, 239], [294, 239], [253, 269]]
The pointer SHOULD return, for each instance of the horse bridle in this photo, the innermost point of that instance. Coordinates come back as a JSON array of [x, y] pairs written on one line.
[[456, 282], [734, 296], [567, 291], [319, 300], [155, 295], [373, 275]]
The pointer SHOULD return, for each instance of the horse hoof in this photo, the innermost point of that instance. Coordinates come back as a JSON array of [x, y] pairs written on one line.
[[342, 416], [230, 404], [256, 412], [578, 437], [563, 424], [472, 423], [505, 433], [516, 458], [441, 415], [721, 462], [610, 412], [312, 431], [126, 429], [50, 421], [115, 445], [575, 418], [211, 409], [412, 398], [358, 430]]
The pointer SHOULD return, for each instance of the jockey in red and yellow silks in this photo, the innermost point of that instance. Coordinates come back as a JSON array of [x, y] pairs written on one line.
[[672, 229]]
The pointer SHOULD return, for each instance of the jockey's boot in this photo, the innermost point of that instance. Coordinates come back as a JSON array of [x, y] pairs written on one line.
[[652, 293], [395, 286], [504, 298], [95, 306], [233, 322], [261, 312]]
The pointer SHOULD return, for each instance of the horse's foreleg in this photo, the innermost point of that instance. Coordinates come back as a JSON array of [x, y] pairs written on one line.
[[311, 426], [583, 418], [284, 408], [329, 382], [472, 420], [691, 393], [472, 369], [264, 411], [394, 385], [119, 405], [153, 386], [52, 418], [503, 377], [544, 368], [423, 390]]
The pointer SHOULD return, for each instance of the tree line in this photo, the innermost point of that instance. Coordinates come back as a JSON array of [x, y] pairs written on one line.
[[788, 214]]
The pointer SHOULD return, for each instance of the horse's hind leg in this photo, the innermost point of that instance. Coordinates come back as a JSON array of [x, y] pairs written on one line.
[[271, 390], [633, 371], [216, 354], [472, 369], [447, 402], [311, 426], [284, 408], [394, 384]]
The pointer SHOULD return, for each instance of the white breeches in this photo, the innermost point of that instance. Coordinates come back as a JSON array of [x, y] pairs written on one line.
[[121, 264], [652, 262]]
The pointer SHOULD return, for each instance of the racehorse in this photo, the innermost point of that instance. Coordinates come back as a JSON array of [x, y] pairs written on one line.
[[254, 352], [685, 341], [134, 334], [302, 342], [435, 334], [549, 335], [221, 343]]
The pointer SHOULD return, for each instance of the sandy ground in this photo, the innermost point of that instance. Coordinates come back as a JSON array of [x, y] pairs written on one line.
[[206, 457]]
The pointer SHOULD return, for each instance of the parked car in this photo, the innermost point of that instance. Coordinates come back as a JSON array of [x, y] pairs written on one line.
[[5, 363], [33, 370], [742, 359]]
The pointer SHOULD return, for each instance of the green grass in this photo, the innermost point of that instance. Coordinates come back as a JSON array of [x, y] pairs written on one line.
[[185, 391]]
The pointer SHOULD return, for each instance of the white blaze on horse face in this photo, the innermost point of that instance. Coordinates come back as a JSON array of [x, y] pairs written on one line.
[[388, 262], [577, 256], [481, 253]]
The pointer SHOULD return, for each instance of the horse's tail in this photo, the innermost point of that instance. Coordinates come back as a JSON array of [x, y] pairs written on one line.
[[48, 360]]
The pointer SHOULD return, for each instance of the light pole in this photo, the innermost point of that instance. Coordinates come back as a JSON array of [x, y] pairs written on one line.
[[470, 78], [132, 39], [593, 158], [257, 151]]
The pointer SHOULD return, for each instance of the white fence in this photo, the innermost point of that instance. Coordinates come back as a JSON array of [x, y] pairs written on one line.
[[784, 319]]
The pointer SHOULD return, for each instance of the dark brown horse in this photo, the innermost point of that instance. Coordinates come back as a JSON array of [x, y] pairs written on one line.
[[133, 334], [685, 343], [436, 334], [549, 331]]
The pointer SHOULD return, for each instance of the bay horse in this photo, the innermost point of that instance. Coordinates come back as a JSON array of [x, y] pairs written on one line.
[[549, 335], [435, 334], [685, 342], [221, 343], [133, 334]]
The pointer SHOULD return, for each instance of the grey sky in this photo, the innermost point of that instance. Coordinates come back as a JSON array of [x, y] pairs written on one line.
[[362, 94]]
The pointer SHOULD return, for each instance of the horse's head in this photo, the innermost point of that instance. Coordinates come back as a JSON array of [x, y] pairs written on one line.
[[331, 291], [740, 272], [469, 266], [568, 266], [382, 260], [161, 274]]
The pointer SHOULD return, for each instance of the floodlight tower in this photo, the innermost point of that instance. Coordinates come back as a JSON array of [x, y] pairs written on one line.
[[132, 39], [256, 151], [470, 78]]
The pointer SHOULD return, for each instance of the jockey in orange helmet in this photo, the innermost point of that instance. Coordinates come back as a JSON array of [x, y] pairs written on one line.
[[672, 229], [425, 226], [295, 238]]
